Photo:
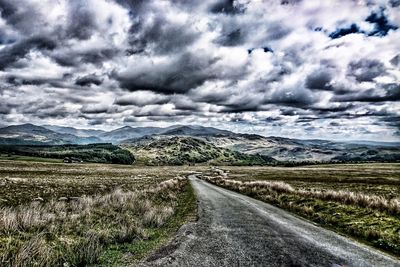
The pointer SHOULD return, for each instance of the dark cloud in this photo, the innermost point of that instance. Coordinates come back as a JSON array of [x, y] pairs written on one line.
[[396, 61], [277, 30], [353, 28], [12, 53], [392, 93], [21, 15], [319, 80], [77, 58], [337, 108], [232, 38], [381, 24], [379, 20], [142, 99], [365, 70], [296, 97], [89, 80], [81, 21], [266, 49], [96, 122], [179, 75], [159, 34], [227, 7], [94, 109], [395, 3], [290, 2], [7, 9], [5, 108], [18, 81], [244, 105]]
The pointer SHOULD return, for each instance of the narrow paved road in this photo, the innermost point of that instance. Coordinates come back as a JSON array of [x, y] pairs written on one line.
[[235, 230]]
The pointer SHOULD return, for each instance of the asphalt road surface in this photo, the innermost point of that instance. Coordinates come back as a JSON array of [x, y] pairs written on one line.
[[235, 230]]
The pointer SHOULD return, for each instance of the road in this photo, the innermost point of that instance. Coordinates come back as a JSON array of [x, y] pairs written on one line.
[[235, 230]]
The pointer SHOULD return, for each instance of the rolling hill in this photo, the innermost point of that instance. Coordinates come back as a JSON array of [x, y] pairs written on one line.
[[179, 150], [127, 132], [205, 140], [296, 150], [74, 131], [29, 134]]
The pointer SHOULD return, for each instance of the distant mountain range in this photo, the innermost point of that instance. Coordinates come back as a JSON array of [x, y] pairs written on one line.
[[74, 131], [199, 138], [29, 134]]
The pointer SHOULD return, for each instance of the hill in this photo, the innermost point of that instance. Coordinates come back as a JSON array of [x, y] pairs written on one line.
[[279, 148], [29, 134], [99, 153], [296, 150], [195, 130], [127, 132], [74, 131], [179, 150]]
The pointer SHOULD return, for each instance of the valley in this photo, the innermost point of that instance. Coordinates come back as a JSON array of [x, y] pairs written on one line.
[[177, 145]]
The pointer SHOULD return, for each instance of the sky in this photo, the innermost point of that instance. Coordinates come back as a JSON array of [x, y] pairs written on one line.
[[293, 68]]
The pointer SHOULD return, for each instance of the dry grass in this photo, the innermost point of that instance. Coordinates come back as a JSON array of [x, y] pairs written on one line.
[[73, 232], [21, 182], [373, 178], [380, 203]]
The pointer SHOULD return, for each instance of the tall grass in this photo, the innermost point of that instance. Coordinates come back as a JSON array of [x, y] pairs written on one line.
[[74, 232], [380, 203]]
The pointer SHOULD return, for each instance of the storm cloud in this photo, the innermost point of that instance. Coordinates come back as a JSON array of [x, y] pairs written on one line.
[[292, 68]]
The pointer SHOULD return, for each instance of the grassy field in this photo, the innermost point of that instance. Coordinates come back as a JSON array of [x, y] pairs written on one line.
[[375, 178], [28, 158], [114, 215], [55, 214], [361, 201]]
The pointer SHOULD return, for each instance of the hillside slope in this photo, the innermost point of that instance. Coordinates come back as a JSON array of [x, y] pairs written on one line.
[[99, 153], [29, 134], [179, 150], [285, 149], [74, 131]]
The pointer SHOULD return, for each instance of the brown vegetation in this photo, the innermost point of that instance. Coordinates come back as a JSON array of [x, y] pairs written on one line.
[[74, 232], [380, 203]]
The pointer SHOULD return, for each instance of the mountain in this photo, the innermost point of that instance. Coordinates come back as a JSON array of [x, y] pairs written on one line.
[[297, 150], [200, 138], [74, 131], [128, 132], [375, 143], [195, 130], [179, 150], [29, 134]]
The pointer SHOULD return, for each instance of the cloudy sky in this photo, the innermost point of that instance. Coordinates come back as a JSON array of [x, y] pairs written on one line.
[[309, 69]]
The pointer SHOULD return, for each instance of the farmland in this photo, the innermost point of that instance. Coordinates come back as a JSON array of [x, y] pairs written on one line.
[[77, 214]]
